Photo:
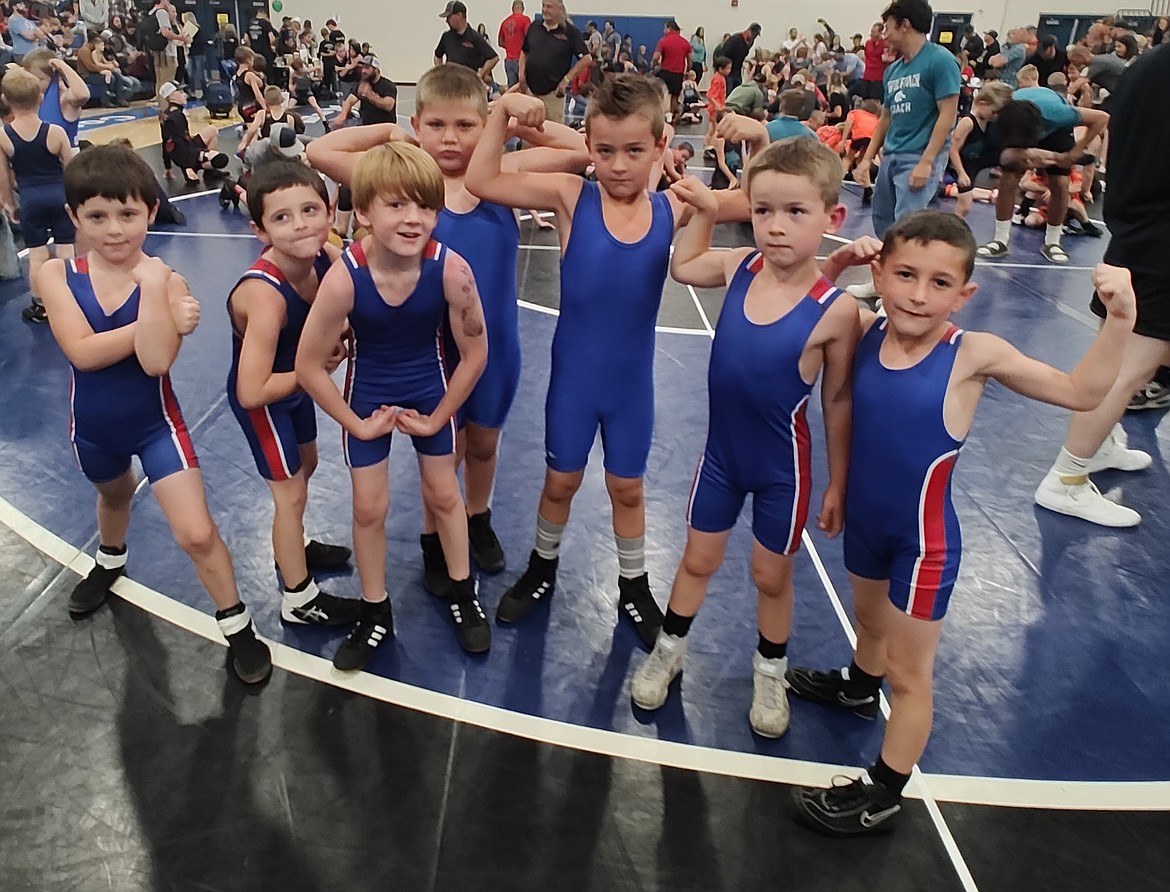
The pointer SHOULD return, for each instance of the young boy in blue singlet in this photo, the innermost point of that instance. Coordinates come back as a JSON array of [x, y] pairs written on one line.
[[917, 381], [398, 286], [449, 118], [291, 216], [120, 317], [603, 349], [781, 323], [37, 152]]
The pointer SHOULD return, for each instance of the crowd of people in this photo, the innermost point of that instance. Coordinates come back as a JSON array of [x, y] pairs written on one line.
[[394, 251]]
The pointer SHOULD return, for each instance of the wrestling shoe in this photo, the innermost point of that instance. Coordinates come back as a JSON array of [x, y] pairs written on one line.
[[536, 585], [486, 550], [375, 624], [320, 556], [1083, 500], [1152, 396], [313, 607], [471, 625], [769, 714], [653, 678], [435, 578], [91, 592], [833, 689], [851, 808], [251, 658], [636, 603], [1115, 454]]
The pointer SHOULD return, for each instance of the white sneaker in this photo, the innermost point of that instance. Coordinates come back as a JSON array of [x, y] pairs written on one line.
[[1083, 500], [652, 680], [769, 714], [1116, 454], [863, 290]]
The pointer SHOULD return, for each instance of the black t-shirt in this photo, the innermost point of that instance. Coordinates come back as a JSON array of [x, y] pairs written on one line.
[[736, 49], [286, 41], [370, 113], [468, 48], [1137, 205], [1047, 67], [259, 31], [550, 55], [973, 46]]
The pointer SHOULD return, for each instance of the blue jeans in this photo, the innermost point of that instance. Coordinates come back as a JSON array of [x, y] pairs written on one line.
[[892, 196], [512, 70], [196, 72]]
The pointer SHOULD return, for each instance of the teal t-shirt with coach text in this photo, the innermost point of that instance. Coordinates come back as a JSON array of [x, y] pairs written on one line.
[[913, 90]]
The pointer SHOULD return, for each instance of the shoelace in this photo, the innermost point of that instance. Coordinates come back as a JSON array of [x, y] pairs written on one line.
[[846, 795], [772, 694]]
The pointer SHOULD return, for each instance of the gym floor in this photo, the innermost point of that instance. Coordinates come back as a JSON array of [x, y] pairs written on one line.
[[133, 761]]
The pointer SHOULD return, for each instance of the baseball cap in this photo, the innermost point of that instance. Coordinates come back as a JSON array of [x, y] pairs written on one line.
[[167, 90], [754, 27], [454, 7], [994, 35], [372, 62], [107, 34], [283, 138]]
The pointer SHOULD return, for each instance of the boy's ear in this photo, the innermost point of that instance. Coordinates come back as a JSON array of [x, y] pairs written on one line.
[[875, 267], [153, 212], [837, 218], [414, 123], [967, 292], [259, 232]]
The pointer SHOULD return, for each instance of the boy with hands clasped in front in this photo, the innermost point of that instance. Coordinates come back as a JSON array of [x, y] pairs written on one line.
[[917, 382], [781, 323]]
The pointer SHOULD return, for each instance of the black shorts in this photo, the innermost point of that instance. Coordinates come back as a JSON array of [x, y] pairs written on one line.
[[859, 145], [673, 82], [1152, 289], [1060, 141]]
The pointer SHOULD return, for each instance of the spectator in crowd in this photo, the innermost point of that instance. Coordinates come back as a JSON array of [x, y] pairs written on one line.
[[672, 58], [376, 97], [260, 38], [462, 45], [25, 32], [698, 53], [1009, 60], [1049, 58], [107, 85], [546, 60], [511, 38], [872, 78], [736, 48]]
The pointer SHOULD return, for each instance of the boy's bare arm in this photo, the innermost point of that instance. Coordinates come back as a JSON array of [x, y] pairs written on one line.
[[86, 350], [156, 338], [336, 154]]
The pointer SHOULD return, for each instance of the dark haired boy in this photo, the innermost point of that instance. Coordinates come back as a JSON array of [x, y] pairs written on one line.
[[290, 212], [1037, 118], [917, 381], [603, 349], [918, 113], [119, 316]]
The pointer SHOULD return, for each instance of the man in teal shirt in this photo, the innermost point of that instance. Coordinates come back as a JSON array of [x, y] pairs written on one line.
[[921, 102]]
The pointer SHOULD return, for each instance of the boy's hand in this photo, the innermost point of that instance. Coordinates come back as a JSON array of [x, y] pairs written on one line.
[[186, 311], [1115, 289], [740, 128], [862, 175], [859, 252], [832, 515], [340, 352], [151, 271], [528, 111], [379, 424], [410, 422], [690, 190]]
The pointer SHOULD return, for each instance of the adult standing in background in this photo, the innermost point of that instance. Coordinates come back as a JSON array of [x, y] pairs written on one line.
[[511, 38], [166, 60], [95, 14], [1137, 212], [698, 53], [612, 39], [972, 45], [463, 45], [672, 56], [260, 38], [546, 59], [736, 48], [873, 78], [1048, 59]]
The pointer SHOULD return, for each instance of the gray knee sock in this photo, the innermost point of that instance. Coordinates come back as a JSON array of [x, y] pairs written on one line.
[[548, 538], [631, 557]]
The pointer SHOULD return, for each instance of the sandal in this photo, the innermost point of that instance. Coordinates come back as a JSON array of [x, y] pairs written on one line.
[[994, 248], [1054, 254]]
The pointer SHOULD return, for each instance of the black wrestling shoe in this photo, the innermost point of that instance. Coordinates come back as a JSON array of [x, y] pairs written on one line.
[[636, 603], [321, 608], [375, 624], [91, 593], [471, 625], [251, 658], [320, 556], [485, 546], [35, 312], [852, 808], [536, 585], [833, 689], [435, 578]]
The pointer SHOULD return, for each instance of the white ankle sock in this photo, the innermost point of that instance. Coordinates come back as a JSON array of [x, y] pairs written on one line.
[[1071, 470], [1003, 231], [1052, 235]]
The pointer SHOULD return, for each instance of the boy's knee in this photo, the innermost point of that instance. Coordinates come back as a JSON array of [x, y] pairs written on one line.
[[442, 496], [480, 448], [770, 583], [198, 538], [700, 564], [370, 511], [625, 491], [561, 488]]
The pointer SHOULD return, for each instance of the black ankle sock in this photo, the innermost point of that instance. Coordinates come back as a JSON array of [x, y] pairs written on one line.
[[299, 588], [881, 773], [372, 610], [234, 610], [862, 682], [109, 549], [770, 650], [676, 625]]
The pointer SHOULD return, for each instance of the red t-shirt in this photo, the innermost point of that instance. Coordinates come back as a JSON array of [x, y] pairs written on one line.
[[512, 31], [717, 92], [674, 48], [874, 66]]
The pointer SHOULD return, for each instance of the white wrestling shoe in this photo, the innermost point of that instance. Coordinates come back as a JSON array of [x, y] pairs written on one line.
[[769, 713], [652, 680], [1115, 454], [863, 290], [1083, 500]]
